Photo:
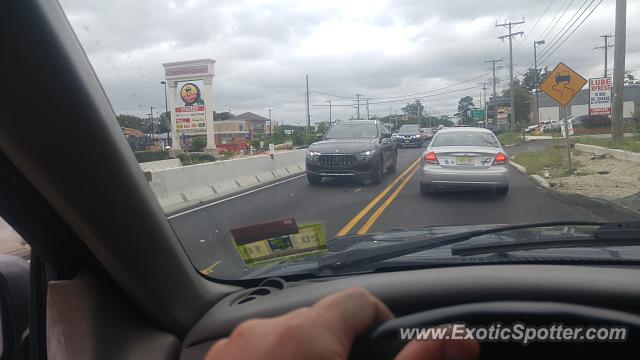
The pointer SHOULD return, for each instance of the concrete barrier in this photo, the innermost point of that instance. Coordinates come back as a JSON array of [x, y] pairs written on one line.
[[185, 186], [160, 164], [618, 154]]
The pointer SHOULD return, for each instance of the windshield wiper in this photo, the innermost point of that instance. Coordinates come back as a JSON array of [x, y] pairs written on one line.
[[611, 234], [355, 258]]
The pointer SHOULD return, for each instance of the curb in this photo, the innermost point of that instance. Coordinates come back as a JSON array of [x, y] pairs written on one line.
[[619, 154], [520, 168], [536, 178], [540, 180]]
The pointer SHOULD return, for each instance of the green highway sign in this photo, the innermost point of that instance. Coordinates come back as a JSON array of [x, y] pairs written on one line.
[[477, 114]]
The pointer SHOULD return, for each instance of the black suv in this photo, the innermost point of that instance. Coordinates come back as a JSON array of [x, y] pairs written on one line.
[[409, 135], [361, 148]]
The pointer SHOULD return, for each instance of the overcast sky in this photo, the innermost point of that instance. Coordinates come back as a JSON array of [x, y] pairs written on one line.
[[381, 49]]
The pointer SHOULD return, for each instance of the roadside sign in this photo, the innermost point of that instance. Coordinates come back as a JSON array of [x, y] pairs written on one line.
[[500, 100], [562, 84], [477, 114], [600, 96]]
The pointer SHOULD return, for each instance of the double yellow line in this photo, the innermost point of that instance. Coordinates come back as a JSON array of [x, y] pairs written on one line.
[[402, 179]]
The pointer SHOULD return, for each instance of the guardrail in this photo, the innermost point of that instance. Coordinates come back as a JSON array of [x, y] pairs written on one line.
[[160, 164], [185, 186]]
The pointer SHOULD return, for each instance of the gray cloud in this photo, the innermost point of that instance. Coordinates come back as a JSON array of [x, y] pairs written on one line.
[[380, 48]]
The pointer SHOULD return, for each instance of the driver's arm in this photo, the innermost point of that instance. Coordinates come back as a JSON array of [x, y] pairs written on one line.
[[326, 330]]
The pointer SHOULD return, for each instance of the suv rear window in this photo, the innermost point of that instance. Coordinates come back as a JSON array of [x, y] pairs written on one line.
[[409, 130], [460, 138]]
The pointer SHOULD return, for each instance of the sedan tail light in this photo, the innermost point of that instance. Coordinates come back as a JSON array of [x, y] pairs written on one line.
[[430, 158], [501, 159]]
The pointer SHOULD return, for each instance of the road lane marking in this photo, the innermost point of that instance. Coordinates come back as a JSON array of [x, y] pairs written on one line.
[[209, 269], [385, 204], [234, 197], [353, 222]]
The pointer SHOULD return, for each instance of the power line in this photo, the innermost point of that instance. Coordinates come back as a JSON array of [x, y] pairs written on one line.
[[553, 26], [407, 99], [534, 25], [430, 91], [574, 30], [402, 97], [332, 95], [557, 44], [567, 27], [553, 21]]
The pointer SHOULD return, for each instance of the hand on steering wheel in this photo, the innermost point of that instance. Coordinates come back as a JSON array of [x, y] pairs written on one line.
[[327, 330]]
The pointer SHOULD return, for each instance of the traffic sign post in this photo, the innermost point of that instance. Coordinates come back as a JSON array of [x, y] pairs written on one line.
[[563, 84]]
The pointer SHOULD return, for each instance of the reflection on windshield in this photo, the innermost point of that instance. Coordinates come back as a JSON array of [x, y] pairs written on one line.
[[351, 131]]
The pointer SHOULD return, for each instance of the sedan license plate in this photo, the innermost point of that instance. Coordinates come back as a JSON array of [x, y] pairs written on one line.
[[465, 160]]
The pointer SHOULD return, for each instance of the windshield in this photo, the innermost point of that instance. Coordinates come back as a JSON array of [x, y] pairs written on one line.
[[459, 138], [409, 130], [352, 130], [274, 134]]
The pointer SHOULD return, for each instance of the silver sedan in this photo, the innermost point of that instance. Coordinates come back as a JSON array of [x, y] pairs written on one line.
[[464, 157]]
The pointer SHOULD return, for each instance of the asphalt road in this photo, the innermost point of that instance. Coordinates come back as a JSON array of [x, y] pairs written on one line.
[[345, 206]]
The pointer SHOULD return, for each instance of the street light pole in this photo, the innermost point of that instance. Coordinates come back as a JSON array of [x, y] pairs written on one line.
[[329, 101], [535, 65], [270, 128]]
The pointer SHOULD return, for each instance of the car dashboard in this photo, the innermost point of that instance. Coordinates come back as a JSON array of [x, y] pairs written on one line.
[[409, 292]]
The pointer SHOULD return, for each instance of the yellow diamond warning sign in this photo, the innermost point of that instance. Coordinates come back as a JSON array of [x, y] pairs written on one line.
[[562, 84]]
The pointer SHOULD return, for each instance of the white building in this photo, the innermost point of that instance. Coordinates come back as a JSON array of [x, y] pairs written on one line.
[[550, 110]]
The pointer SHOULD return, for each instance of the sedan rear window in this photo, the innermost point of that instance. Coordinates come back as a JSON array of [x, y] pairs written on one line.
[[465, 139]]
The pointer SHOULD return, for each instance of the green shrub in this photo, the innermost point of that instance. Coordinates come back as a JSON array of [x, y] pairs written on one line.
[[510, 138], [198, 143], [146, 156], [195, 158]]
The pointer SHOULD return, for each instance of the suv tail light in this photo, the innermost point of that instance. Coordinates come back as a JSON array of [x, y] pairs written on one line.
[[500, 159], [431, 158]]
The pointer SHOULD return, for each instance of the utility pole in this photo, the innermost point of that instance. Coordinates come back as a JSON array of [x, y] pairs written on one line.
[[308, 109], [512, 89], [535, 65], [493, 82], [618, 70], [396, 128], [329, 101], [151, 119], [367, 108], [358, 106], [484, 103], [606, 50]]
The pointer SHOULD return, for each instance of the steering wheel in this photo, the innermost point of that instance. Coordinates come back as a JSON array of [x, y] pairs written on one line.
[[384, 341]]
